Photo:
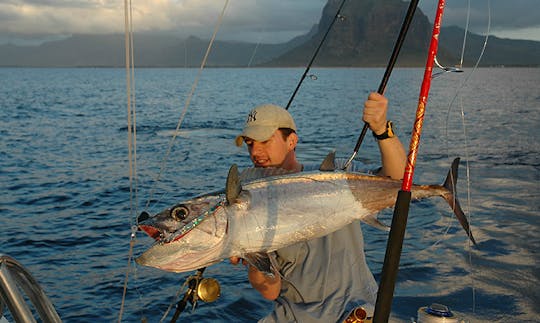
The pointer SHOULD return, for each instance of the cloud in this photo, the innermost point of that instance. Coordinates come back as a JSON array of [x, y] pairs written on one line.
[[519, 18], [185, 17], [270, 20], [59, 17]]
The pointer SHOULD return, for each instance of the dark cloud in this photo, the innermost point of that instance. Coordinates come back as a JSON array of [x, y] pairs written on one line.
[[505, 15], [249, 20]]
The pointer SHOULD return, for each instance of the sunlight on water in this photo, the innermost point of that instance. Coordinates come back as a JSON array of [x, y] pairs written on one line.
[[65, 190]]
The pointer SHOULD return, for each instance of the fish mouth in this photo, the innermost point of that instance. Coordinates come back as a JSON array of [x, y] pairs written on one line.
[[151, 231], [159, 235], [142, 222]]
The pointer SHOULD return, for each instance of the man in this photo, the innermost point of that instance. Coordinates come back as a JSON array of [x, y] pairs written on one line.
[[324, 279]]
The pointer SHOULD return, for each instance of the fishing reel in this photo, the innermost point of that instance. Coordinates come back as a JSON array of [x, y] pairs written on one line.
[[207, 290], [198, 288], [358, 315]]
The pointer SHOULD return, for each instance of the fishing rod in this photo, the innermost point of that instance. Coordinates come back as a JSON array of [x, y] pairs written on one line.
[[397, 47], [394, 245], [315, 54]]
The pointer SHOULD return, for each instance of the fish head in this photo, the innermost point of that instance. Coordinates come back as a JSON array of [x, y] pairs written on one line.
[[190, 235], [172, 223]]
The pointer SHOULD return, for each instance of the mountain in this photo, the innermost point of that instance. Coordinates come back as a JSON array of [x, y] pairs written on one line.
[[498, 51], [150, 51], [364, 37]]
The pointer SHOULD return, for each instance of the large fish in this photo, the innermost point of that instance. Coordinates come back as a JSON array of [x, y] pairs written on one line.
[[257, 216]]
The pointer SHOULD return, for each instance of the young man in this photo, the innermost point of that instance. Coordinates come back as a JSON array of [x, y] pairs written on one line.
[[324, 279]]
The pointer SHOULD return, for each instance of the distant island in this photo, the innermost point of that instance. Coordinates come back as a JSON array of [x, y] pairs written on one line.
[[364, 39]]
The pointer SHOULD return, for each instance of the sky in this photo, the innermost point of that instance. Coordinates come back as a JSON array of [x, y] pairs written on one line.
[[268, 21]]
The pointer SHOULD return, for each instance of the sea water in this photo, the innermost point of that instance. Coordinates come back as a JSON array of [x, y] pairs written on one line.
[[67, 203]]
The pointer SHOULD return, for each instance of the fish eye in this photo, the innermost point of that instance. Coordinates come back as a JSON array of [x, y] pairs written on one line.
[[179, 213]]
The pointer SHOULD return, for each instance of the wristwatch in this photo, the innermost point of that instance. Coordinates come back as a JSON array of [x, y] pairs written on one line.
[[389, 133]]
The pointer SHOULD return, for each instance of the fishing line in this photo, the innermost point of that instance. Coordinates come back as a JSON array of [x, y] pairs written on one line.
[[391, 62], [394, 245], [255, 50], [465, 33], [181, 119], [338, 15], [459, 90], [468, 207], [465, 135], [187, 103], [176, 296]]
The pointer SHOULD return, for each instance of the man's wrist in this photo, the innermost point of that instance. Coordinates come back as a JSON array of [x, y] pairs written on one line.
[[387, 133], [380, 130]]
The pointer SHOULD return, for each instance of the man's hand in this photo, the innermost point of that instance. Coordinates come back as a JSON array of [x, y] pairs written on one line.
[[393, 156], [237, 260], [375, 108], [269, 287]]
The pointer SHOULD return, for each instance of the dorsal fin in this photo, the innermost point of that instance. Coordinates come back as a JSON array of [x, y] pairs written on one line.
[[254, 173], [328, 163], [232, 187]]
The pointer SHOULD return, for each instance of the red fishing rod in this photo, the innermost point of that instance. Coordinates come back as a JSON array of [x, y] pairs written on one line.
[[401, 209]]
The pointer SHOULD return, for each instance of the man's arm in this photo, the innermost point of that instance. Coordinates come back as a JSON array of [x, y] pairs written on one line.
[[269, 287], [393, 157]]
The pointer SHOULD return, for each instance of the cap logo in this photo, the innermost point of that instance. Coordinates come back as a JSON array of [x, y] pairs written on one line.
[[252, 116]]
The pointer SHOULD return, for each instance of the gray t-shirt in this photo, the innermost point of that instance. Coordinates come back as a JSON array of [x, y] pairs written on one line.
[[324, 279]]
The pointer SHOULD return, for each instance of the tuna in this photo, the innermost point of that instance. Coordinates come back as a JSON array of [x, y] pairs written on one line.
[[257, 214]]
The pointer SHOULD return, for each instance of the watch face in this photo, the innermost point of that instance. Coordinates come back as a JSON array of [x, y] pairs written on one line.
[[389, 129]]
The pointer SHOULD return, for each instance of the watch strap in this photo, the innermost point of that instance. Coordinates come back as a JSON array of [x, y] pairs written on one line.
[[389, 133]]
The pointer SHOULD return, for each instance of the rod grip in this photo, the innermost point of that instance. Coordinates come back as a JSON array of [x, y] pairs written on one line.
[[391, 258]]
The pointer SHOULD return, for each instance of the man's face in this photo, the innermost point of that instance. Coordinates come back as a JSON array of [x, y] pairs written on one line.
[[270, 153]]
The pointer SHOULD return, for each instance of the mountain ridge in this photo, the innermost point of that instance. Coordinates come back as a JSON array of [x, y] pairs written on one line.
[[363, 38]]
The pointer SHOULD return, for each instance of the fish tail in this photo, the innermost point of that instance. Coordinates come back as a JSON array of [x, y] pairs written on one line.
[[451, 198]]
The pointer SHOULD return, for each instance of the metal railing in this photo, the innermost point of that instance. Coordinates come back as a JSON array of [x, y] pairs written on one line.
[[14, 278]]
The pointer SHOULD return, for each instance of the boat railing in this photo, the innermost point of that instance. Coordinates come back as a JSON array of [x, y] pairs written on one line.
[[14, 280]]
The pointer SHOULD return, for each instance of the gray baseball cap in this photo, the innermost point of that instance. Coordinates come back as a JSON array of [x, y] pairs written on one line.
[[263, 121]]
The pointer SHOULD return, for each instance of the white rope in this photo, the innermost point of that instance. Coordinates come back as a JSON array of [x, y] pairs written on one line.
[[132, 129], [132, 134]]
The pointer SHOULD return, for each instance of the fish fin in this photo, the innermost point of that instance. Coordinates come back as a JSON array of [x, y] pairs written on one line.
[[233, 187], [329, 163], [254, 173], [451, 198], [263, 263], [374, 222]]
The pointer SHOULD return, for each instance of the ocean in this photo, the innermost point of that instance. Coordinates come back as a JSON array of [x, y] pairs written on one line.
[[67, 210]]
